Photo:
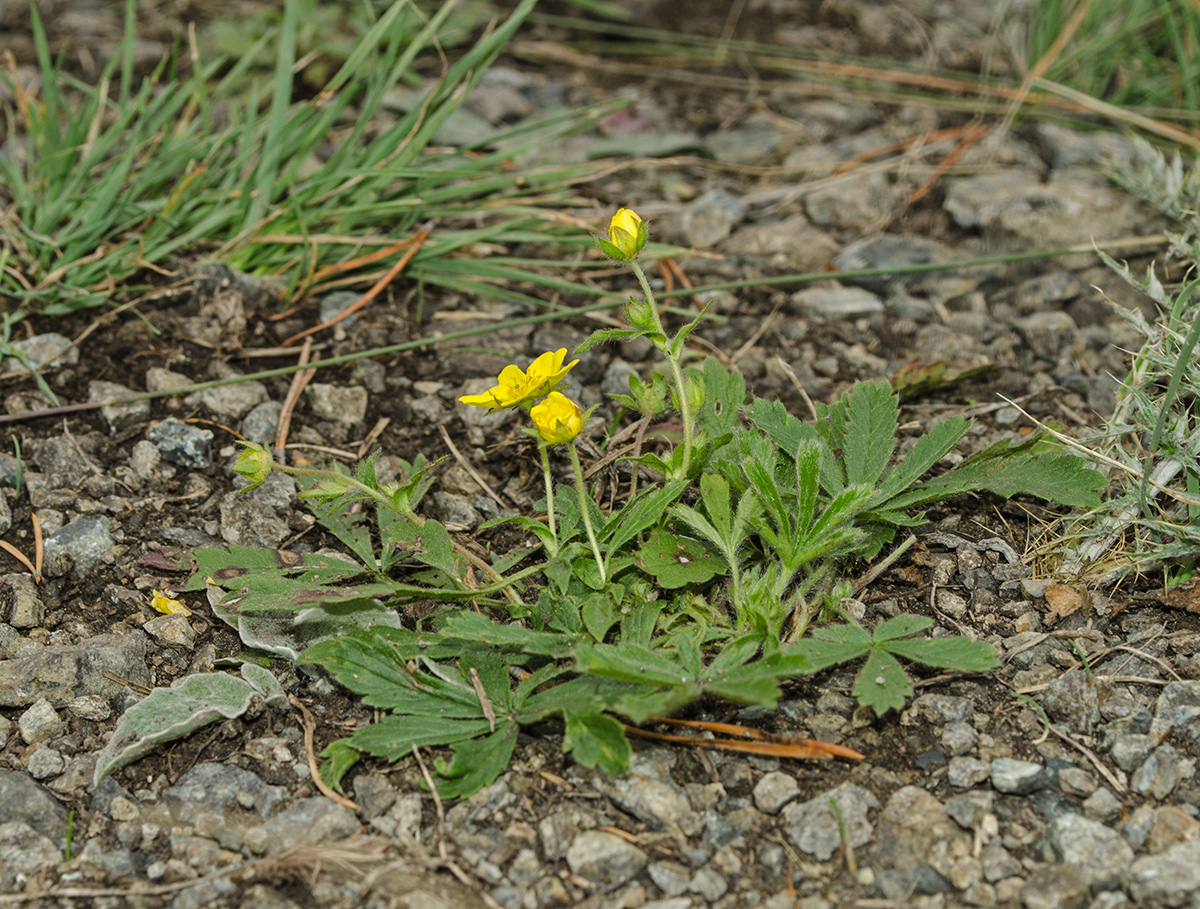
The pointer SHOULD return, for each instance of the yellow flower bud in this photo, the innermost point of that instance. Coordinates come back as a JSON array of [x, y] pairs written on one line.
[[558, 419], [626, 235]]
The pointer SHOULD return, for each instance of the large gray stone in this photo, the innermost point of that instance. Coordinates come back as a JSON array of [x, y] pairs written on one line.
[[79, 546], [61, 673], [814, 828], [1170, 878], [1100, 851], [212, 787], [28, 803], [605, 859]]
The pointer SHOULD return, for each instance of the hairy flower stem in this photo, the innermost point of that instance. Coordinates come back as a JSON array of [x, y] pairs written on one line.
[[407, 512], [584, 510], [553, 547], [685, 407]]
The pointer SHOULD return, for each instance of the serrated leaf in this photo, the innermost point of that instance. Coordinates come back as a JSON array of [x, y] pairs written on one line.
[[640, 513], [831, 646], [599, 614], [368, 665], [644, 702], [596, 740], [393, 736], [167, 714], [476, 762], [237, 564], [928, 450], [872, 415], [1013, 470], [752, 683], [714, 491], [901, 626], [724, 392], [957, 654], [631, 663], [638, 626], [882, 684], [473, 626]]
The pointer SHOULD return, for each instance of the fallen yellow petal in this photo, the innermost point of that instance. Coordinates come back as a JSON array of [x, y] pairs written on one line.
[[163, 603]]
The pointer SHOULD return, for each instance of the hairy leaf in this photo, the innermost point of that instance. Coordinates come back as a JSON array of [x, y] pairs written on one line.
[[596, 740], [393, 737], [167, 714], [957, 654], [477, 762], [882, 684]]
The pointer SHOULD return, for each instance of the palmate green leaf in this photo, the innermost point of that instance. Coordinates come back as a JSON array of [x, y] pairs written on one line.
[[929, 449], [367, 664], [957, 653], [901, 626], [596, 740], [882, 684], [477, 762], [393, 737], [633, 663], [830, 646]]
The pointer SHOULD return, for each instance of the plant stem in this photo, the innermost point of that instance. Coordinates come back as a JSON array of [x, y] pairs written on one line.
[[685, 407], [584, 510], [549, 496]]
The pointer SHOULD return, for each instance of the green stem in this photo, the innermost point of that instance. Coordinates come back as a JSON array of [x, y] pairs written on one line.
[[585, 511], [350, 481], [386, 500], [685, 407], [549, 497]]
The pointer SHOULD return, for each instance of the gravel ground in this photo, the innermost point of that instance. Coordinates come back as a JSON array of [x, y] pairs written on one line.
[[1064, 779]]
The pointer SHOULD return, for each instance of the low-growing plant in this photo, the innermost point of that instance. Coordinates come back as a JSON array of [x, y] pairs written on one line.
[[722, 576], [1151, 516]]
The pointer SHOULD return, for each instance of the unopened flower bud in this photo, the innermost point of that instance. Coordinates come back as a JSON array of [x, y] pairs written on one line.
[[254, 463]]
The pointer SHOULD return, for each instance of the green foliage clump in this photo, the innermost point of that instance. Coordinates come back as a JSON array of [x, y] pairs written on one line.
[[707, 585]]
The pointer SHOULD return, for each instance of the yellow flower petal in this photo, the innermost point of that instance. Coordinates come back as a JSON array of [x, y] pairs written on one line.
[[163, 603], [558, 419], [517, 388]]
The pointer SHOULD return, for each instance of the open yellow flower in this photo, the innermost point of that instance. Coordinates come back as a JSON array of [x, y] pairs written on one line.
[[558, 419], [517, 388], [626, 235]]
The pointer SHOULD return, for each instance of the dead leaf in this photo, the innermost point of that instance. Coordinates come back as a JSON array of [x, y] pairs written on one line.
[[1063, 600]]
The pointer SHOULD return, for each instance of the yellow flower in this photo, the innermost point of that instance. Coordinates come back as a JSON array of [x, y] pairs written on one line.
[[626, 235], [558, 419], [517, 388]]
